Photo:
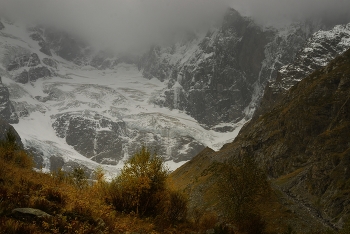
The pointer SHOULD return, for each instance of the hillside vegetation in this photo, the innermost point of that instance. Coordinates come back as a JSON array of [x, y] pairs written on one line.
[[302, 145], [140, 200]]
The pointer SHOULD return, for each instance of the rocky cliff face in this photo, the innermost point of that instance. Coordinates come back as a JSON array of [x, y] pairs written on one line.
[[302, 144], [26, 67], [7, 110], [5, 127], [95, 137], [319, 49], [107, 142], [306, 134], [219, 77]]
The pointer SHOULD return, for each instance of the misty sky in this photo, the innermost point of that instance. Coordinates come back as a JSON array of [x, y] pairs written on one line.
[[125, 24]]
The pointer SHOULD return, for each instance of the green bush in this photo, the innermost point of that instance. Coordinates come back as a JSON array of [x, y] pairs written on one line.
[[141, 184]]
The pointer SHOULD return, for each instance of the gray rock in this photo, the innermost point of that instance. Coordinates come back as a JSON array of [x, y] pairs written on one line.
[[22, 78], [7, 111], [29, 213], [45, 48], [106, 141], [24, 61], [37, 36], [56, 163], [50, 62], [320, 48], [82, 133], [33, 74], [37, 157], [5, 127], [66, 46], [226, 73], [39, 72], [193, 148]]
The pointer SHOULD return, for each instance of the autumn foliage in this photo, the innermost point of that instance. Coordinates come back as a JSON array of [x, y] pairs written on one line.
[[141, 188], [78, 206]]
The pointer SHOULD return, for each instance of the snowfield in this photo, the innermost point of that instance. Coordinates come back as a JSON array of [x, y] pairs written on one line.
[[121, 95]]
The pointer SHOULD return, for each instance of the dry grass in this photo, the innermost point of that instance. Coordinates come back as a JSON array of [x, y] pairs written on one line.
[[73, 209]]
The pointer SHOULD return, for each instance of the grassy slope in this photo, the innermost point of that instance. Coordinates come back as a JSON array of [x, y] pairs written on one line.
[[302, 144], [73, 209]]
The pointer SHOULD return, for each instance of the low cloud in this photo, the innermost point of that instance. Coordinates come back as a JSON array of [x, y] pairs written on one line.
[[283, 11], [119, 24], [135, 24]]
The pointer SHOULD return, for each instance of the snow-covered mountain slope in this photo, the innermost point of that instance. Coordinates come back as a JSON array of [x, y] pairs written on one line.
[[78, 106], [318, 51], [219, 77], [73, 114]]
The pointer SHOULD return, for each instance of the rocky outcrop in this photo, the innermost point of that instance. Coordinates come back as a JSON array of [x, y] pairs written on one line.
[[65, 46], [106, 141], [1, 26], [50, 62], [28, 68], [320, 49], [5, 128], [32, 75], [95, 137], [36, 35], [219, 78], [7, 111], [24, 61]]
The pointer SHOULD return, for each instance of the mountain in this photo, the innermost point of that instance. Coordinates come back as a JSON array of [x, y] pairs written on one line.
[[218, 78], [72, 109], [73, 105], [319, 50], [302, 145]]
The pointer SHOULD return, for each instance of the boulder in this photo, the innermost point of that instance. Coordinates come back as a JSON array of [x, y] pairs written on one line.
[[23, 213]]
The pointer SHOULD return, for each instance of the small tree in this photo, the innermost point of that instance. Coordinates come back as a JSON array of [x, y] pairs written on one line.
[[79, 178], [140, 185]]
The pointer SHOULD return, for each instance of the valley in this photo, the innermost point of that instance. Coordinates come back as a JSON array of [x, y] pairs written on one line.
[[275, 96]]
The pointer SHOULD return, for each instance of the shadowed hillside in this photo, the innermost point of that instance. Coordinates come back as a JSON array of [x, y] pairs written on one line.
[[303, 146]]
